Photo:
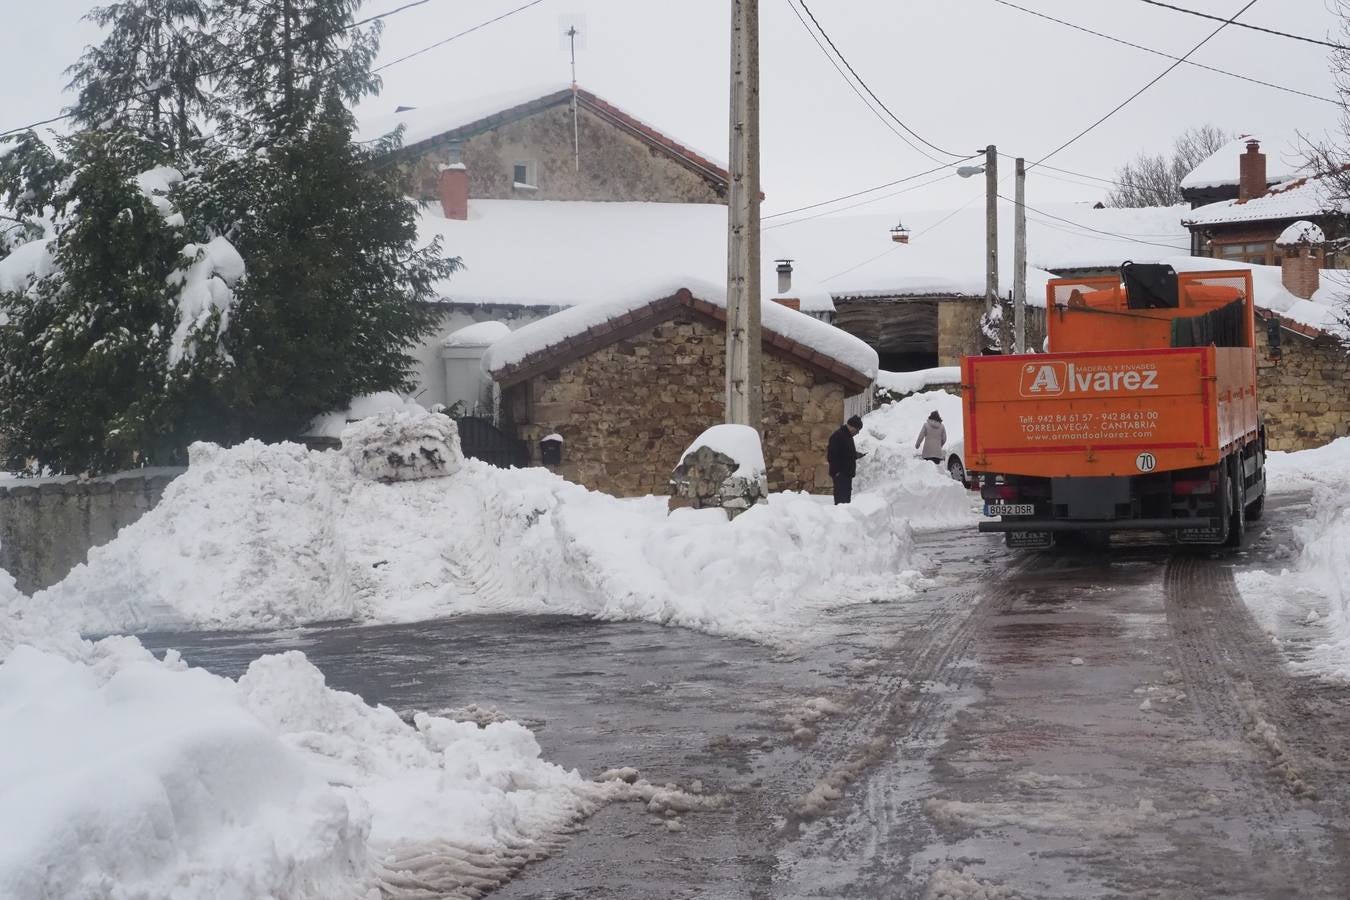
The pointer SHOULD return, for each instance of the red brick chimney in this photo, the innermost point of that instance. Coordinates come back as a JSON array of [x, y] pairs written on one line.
[[1300, 248], [789, 302], [454, 190], [1251, 172]]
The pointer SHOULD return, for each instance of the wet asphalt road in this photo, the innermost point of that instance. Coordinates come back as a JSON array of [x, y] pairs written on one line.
[[1052, 725]]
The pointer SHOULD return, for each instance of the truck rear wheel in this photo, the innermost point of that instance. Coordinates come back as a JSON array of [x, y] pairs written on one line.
[[1237, 522]]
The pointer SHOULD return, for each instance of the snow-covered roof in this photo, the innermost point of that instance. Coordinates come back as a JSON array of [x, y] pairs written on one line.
[[1220, 168], [565, 253], [1301, 232], [854, 256], [781, 326], [479, 334], [1310, 196]]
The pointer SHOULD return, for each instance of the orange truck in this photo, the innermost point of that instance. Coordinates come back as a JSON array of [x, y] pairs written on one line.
[[1140, 416]]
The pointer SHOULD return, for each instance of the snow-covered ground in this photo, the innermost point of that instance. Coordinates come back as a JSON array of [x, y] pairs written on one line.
[[140, 777], [893, 469], [262, 536], [1315, 590]]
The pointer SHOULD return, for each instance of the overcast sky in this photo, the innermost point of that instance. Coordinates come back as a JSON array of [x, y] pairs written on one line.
[[962, 73]]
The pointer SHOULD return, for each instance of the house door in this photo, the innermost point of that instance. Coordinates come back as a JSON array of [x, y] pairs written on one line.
[[480, 439]]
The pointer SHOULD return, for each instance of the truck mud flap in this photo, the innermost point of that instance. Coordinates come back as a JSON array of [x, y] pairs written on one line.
[[1029, 540]]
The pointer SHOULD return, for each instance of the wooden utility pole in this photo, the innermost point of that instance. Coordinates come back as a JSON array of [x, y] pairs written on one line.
[[990, 228], [743, 344], [1020, 259]]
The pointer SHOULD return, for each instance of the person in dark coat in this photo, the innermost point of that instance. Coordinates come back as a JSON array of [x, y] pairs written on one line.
[[843, 457]]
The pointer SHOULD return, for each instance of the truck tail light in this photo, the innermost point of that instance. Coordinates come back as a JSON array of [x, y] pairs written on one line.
[[1195, 486]]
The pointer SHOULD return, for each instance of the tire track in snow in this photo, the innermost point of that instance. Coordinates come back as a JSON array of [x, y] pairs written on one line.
[[1237, 684]]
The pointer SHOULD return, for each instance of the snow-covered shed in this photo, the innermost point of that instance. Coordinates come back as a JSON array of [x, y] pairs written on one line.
[[629, 383]]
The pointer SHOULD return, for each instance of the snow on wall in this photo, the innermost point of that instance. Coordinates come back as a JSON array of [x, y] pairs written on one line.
[[1302, 232], [480, 334], [558, 328], [738, 442], [910, 382]]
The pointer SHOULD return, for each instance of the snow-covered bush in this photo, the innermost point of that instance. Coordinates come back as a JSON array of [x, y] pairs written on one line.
[[403, 446]]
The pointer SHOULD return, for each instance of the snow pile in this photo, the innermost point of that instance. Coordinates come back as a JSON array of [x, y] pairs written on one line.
[[270, 536], [247, 537], [205, 289], [1322, 571], [912, 382], [893, 468], [331, 425], [479, 334], [403, 446], [141, 778], [740, 443]]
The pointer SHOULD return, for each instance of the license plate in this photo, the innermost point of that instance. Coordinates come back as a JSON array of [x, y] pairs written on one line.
[[1030, 540], [1009, 509]]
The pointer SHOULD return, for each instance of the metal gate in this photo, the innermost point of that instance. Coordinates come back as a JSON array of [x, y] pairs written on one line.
[[481, 439]]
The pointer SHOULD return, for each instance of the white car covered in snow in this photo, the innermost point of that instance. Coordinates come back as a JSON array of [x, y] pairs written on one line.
[[955, 455]]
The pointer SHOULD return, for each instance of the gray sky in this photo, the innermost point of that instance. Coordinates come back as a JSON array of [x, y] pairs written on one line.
[[962, 73]]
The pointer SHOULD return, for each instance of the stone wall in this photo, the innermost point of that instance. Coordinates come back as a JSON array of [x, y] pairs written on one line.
[[47, 528], [959, 329], [626, 412], [614, 164], [1305, 396]]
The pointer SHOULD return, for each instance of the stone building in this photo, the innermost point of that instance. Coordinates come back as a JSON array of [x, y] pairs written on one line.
[[628, 386], [549, 212]]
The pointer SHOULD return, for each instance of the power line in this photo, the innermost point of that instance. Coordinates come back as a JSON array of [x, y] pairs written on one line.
[[455, 37], [1159, 77], [870, 108], [1080, 226], [1284, 34], [870, 92], [892, 249], [788, 212], [234, 63], [831, 212], [1109, 37]]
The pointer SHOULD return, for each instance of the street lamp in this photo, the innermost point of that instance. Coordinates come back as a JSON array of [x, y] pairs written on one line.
[[968, 171]]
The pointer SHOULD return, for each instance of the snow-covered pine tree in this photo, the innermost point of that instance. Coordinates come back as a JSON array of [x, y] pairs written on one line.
[[86, 382], [150, 74], [337, 289]]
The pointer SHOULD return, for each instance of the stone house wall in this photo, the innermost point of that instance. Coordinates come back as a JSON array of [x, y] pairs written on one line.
[[959, 329], [627, 411], [1305, 397], [615, 165]]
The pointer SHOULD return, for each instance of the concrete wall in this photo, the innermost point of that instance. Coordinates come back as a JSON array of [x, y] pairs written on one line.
[[614, 164], [47, 528]]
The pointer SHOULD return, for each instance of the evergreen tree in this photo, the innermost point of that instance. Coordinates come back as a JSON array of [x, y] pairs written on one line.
[[85, 382], [291, 57], [149, 75], [337, 290]]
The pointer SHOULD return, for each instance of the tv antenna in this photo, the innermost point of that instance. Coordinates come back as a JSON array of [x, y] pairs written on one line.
[[571, 33]]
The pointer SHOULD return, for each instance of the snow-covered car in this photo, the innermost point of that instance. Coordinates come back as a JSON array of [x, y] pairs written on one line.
[[955, 455]]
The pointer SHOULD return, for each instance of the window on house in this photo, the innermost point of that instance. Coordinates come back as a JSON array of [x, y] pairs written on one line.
[[1262, 252], [525, 174]]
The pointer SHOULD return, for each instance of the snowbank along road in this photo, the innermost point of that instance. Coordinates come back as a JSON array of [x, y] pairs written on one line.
[[1053, 725]]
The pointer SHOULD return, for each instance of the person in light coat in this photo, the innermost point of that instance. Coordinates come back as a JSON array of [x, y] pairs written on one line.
[[932, 438]]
